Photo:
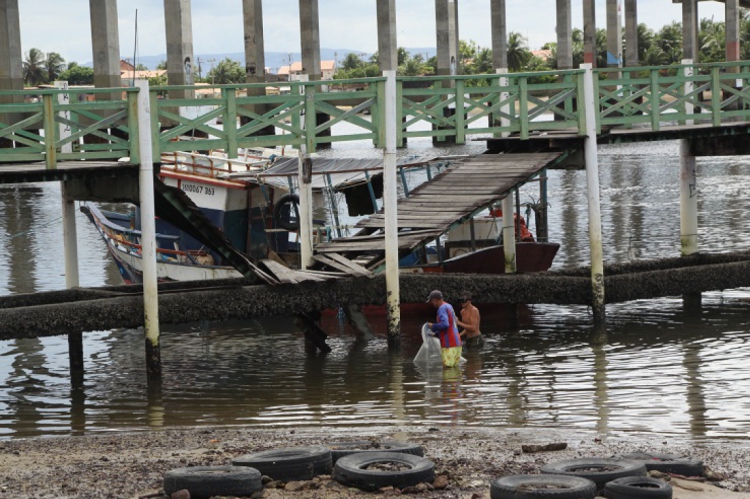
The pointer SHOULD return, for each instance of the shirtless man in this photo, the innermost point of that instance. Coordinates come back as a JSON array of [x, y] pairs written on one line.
[[470, 322]]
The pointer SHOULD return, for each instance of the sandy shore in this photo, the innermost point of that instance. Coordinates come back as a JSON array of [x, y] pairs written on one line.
[[131, 465]]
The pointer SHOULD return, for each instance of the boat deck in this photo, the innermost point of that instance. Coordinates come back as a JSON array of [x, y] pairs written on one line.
[[451, 198]]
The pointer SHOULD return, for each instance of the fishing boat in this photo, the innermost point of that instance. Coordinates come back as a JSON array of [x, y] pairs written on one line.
[[251, 200]]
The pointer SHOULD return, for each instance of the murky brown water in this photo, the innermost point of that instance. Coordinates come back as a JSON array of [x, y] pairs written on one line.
[[656, 369]]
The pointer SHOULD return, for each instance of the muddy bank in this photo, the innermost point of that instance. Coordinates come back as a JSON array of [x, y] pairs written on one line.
[[117, 465]]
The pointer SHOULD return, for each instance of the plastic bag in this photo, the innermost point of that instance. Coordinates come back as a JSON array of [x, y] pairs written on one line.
[[429, 353]]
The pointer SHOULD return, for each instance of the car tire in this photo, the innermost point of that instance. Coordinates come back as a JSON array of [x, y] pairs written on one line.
[[206, 481], [668, 463], [289, 463], [542, 486], [637, 487], [279, 209], [598, 470], [352, 470], [341, 449]]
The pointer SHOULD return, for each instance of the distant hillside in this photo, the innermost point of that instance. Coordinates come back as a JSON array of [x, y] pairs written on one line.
[[274, 60]]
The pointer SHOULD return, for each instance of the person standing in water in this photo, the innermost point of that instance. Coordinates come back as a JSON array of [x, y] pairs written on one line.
[[446, 329], [470, 322]]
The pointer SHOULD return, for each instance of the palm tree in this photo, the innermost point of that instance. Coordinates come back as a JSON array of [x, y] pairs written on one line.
[[482, 63], [712, 41], [34, 68], [645, 40], [55, 64], [413, 66], [669, 38], [518, 53]]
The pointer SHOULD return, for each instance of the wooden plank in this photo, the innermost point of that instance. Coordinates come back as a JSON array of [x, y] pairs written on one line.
[[283, 274], [353, 266], [336, 265]]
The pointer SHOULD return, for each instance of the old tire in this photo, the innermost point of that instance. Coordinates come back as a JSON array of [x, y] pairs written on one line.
[[279, 210], [668, 463], [290, 463], [637, 487], [341, 449], [598, 470], [352, 470], [541, 486], [208, 481]]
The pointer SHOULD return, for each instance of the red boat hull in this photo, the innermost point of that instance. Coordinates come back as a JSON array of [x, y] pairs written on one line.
[[530, 257]]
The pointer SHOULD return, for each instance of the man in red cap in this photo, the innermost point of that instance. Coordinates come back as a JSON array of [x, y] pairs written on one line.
[[445, 328]]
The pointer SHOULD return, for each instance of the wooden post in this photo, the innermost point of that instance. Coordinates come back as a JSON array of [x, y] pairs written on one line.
[[390, 199]]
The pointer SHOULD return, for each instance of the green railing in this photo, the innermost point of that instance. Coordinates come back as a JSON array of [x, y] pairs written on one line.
[[60, 125], [306, 112]]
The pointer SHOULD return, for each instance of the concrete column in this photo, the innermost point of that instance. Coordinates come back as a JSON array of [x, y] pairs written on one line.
[[592, 190], [255, 56], [614, 34], [732, 19], [105, 42], [11, 59], [589, 32], [390, 200], [631, 33], [387, 35], [309, 20], [564, 35], [689, 31], [447, 47], [509, 235], [499, 35], [688, 200], [148, 235], [180, 60]]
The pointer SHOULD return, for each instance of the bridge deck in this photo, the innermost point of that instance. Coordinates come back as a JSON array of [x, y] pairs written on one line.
[[451, 198], [38, 172]]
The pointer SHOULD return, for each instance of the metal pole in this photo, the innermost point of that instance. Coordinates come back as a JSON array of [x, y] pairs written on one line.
[[688, 200], [509, 235], [592, 187], [305, 194], [390, 199], [148, 233]]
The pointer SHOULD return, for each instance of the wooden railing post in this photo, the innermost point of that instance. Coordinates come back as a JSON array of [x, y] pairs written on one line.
[[715, 96], [50, 132], [230, 121], [523, 111], [655, 100], [687, 73], [460, 117]]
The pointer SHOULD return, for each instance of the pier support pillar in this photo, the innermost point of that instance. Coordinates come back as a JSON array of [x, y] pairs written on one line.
[[11, 59], [105, 42], [688, 201], [148, 234], [387, 35], [690, 30], [255, 59], [589, 32], [632, 58], [179, 29], [499, 35], [305, 184], [309, 18], [509, 235], [614, 34], [732, 23], [390, 199], [592, 191], [446, 32], [564, 35]]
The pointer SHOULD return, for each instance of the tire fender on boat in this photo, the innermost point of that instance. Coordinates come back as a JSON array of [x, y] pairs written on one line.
[[287, 224]]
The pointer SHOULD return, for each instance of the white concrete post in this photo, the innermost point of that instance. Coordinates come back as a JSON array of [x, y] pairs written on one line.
[[505, 108], [70, 236], [390, 200], [305, 195], [148, 233], [688, 200], [509, 235], [687, 72], [592, 187]]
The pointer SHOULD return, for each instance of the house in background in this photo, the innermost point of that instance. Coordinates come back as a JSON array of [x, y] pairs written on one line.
[[327, 69]]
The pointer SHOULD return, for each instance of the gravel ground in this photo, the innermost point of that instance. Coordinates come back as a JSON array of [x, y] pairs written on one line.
[[131, 465]]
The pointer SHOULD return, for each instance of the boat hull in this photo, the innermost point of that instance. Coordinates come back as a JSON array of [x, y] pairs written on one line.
[[530, 257]]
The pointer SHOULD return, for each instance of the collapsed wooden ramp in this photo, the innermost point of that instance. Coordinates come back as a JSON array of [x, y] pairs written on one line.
[[451, 198]]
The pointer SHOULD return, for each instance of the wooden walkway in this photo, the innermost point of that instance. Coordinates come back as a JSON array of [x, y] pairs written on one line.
[[451, 198]]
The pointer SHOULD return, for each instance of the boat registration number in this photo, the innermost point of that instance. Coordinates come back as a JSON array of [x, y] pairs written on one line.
[[198, 189]]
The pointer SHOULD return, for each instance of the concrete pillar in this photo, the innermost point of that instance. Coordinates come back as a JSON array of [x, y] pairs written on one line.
[[499, 35], [255, 58], [589, 32], [688, 200], [631, 33], [614, 34], [310, 29], [387, 35], [732, 19], [105, 42], [509, 235], [390, 200], [180, 60], [689, 31], [564, 35], [11, 59], [447, 45]]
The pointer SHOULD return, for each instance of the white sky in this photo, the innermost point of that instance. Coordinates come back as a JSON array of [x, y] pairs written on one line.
[[63, 25]]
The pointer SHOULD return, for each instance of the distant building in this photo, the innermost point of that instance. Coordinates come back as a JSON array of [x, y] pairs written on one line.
[[126, 66], [544, 55], [327, 68]]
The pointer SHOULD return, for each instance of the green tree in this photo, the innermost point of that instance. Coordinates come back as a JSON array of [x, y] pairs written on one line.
[[55, 64], [78, 75], [518, 52], [413, 66], [141, 67], [34, 68], [351, 61], [669, 40], [162, 65], [226, 72], [482, 62]]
